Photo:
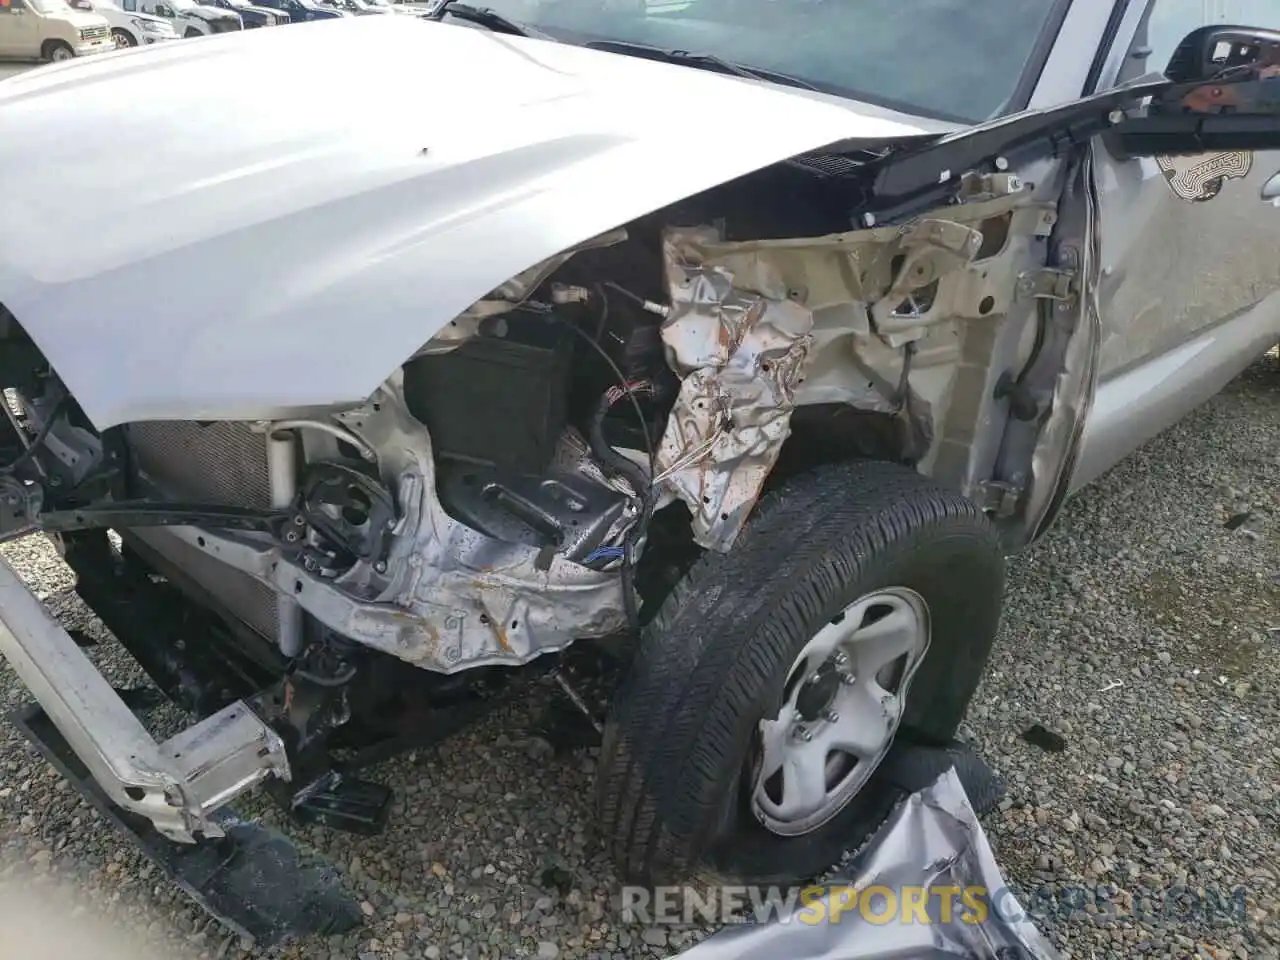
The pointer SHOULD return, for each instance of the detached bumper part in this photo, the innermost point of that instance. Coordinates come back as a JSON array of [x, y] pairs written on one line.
[[177, 784]]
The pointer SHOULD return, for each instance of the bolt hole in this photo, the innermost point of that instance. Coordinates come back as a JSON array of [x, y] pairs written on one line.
[[484, 618], [200, 541], [515, 624], [377, 408], [987, 305], [135, 793], [297, 586], [724, 516]]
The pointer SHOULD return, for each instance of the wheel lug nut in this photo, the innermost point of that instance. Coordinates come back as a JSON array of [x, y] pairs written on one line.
[[803, 734], [831, 716], [840, 659], [848, 679]]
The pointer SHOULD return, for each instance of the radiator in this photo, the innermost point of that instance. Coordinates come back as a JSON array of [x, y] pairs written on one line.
[[223, 463]]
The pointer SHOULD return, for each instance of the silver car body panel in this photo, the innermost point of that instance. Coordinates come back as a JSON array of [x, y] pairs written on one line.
[[218, 295], [1182, 316]]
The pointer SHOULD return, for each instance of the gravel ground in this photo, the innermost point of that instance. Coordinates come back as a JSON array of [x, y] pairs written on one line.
[[1142, 630]]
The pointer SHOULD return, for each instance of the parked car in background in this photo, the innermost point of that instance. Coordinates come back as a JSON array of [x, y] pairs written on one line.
[[302, 11], [129, 29], [252, 15], [359, 8], [189, 19], [389, 408], [390, 6], [50, 30]]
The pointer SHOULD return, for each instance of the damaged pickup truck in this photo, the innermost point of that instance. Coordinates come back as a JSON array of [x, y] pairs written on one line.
[[347, 411]]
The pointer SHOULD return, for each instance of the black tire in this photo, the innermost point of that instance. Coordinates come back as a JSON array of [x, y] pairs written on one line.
[[671, 789], [123, 38], [55, 50], [192, 32]]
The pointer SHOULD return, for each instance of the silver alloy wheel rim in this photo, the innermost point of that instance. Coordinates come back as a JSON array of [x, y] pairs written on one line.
[[122, 40], [60, 53], [844, 698]]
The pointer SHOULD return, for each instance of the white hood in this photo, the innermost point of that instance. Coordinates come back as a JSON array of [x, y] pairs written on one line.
[[250, 256]]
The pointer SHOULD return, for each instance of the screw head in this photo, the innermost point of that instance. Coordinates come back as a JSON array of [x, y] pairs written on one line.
[[831, 716], [1002, 163], [848, 679], [840, 659], [380, 566], [803, 734]]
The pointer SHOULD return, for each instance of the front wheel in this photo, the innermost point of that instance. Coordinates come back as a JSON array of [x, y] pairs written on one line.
[[123, 39], [56, 51], [192, 32], [860, 603]]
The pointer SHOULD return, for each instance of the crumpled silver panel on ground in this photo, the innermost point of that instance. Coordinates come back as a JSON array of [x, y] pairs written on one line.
[[932, 842]]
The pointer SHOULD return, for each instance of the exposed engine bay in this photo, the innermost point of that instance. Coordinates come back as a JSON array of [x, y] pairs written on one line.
[[492, 501]]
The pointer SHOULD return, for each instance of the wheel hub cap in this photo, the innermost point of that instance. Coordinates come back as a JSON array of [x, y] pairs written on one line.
[[843, 700]]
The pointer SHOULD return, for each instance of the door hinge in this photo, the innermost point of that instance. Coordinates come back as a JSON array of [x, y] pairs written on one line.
[[1047, 284]]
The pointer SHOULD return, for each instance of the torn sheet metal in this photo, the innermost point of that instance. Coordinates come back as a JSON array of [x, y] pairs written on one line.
[[739, 342], [751, 321], [934, 843]]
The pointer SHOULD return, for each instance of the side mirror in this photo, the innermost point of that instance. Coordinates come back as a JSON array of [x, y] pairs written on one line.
[[1224, 95]]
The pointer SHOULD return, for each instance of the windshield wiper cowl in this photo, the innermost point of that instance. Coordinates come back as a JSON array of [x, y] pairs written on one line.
[[484, 17], [706, 61]]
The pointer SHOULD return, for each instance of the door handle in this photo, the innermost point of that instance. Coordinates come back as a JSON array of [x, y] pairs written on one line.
[[1271, 191]]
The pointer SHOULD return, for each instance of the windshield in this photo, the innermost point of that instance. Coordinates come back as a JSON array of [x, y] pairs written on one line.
[[950, 59]]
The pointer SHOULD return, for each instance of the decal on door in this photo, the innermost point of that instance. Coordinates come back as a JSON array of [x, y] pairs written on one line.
[[1197, 179]]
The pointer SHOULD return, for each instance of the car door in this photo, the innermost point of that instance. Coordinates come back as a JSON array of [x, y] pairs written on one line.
[[19, 31], [1187, 244]]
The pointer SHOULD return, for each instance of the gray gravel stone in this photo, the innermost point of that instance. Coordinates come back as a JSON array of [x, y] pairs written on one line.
[[1168, 779]]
